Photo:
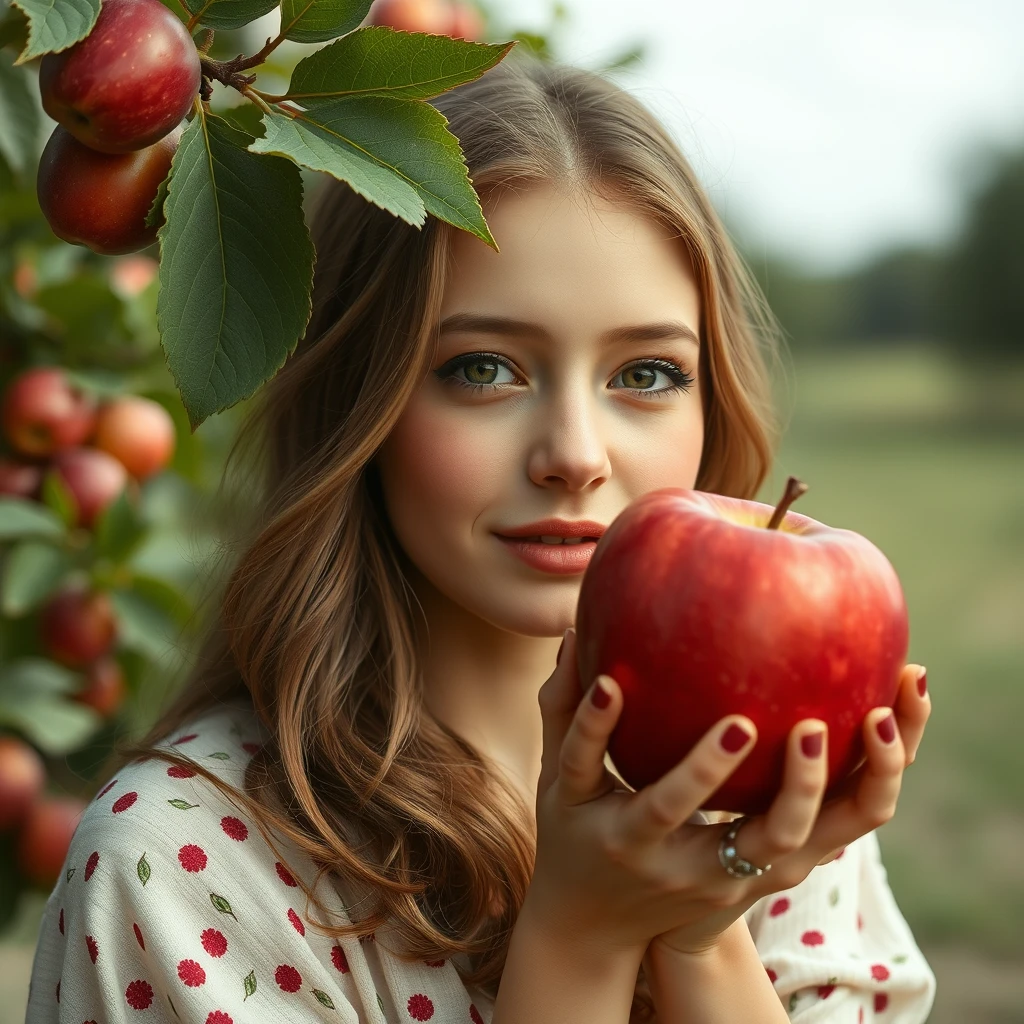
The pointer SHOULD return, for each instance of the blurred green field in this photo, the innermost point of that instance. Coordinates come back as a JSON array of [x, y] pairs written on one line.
[[925, 458]]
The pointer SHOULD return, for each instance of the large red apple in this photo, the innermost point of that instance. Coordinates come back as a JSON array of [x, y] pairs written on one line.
[[77, 625], [104, 687], [22, 775], [94, 478], [128, 82], [45, 837], [100, 200], [700, 606], [44, 412], [138, 432]]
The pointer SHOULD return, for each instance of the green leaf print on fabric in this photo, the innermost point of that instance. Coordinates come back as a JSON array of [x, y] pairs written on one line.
[[250, 984], [143, 869], [182, 805], [324, 998], [221, 904]]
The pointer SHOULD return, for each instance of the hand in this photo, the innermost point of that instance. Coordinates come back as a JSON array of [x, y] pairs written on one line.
[[615, 869], [798, 833]]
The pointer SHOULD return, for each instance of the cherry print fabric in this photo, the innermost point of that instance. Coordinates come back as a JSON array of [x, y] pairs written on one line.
[[172, 908], [839, 950]]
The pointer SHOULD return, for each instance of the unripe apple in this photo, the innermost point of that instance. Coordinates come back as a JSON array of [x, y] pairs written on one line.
[[22, 775], [432, 16], [466, 22], [138, 432], [95, 479], [19, 479], [43, 412], [131, 80], [104, 688], [45, 837], [77, 625], [100, 200]]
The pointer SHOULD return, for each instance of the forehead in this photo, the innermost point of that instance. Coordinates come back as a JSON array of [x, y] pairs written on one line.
[[570, 255]]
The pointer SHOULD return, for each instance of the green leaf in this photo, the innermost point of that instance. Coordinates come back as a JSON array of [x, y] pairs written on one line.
[[163, 595], [67, 877], [20, 116], [250, 984], [31, 572], [54, 26], [143, 626], [313, 21], [383, 147], [14, 28], [156, 210], [84, 313], [143, 869], [228, 13], [324, 999], [315, 146], [382, 61], [833, 896], [39, 677], [221, 904], [57, 497], [119, 529], [182, 805], [20, 517], [55, 725], [236, 267], [220, 755]]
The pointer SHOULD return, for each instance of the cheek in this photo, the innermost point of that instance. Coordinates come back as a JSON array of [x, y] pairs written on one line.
[[438, 472]]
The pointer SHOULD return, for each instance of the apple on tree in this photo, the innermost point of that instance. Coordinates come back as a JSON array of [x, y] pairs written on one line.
[[128, 83], [19, 479], [701, 606], [94, 478], [77, 625], [101, 200], [22, 775], [138, 432], [43, 412], [104, 688], [45, 837]]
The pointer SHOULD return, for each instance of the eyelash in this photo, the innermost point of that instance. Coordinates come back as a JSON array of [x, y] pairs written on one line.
[[682, 380]]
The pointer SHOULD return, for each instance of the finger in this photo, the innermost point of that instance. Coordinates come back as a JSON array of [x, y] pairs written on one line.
[[913, 708], [873, 802], [790, 819], [558, 698], [661, 807], [582, 775]]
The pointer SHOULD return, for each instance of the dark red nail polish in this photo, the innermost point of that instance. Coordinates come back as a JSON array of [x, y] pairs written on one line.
[[811, 744], [922, 684], [600, 697], [734, 738], [887, 729]]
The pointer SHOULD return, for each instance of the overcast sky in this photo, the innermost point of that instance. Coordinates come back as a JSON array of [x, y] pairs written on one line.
[[825, 129]]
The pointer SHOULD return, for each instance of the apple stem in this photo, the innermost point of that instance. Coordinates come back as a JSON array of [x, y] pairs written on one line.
[[794, 488]]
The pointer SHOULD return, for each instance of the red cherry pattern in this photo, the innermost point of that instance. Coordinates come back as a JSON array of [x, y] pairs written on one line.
[[212, 942]]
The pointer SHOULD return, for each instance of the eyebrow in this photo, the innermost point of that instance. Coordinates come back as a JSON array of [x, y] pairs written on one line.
[[482, 324]]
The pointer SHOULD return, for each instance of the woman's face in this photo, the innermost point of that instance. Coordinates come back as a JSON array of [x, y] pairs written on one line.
[[553, 416]]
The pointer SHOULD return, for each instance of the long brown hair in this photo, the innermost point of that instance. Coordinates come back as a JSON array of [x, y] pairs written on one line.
[[314, 624]]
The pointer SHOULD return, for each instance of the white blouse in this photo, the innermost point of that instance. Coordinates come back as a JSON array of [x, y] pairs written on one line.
[[172, 908]]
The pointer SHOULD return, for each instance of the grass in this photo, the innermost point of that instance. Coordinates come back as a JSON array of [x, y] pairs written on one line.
[[927, 463]]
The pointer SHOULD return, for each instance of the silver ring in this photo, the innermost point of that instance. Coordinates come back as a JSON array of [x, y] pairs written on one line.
[[734, 864]]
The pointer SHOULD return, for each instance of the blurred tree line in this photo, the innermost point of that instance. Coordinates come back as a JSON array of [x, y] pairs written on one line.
[[967, 297]]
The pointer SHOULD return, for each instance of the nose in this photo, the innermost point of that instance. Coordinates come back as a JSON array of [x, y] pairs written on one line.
[[569, 446]]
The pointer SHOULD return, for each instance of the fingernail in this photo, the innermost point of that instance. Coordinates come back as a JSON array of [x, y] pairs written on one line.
[[922, 682], [887, 729], [734, 738], [599, 696], [811, 744], [558, 657]]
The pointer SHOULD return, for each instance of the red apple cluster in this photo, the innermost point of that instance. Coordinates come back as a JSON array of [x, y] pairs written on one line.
[[456, 18], [120, 96], [44, 823]]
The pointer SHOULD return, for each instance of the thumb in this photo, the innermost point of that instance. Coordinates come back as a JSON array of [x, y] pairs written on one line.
[[558, 698]]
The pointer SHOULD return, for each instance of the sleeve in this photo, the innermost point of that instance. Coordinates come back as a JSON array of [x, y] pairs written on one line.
[[837, 947], [171, 904]]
